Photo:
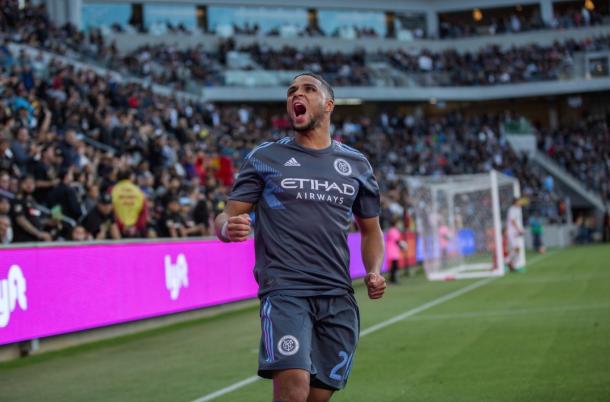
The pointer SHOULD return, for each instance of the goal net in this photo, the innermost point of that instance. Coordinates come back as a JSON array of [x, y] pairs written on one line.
[[460, 222]]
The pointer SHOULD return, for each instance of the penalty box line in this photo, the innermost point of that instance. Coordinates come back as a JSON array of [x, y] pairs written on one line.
[[381, 325]]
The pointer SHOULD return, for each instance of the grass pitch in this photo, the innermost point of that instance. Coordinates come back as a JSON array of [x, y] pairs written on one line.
[[543, 335]]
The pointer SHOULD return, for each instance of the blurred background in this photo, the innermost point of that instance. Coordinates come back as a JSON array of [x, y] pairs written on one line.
[[173, 95]]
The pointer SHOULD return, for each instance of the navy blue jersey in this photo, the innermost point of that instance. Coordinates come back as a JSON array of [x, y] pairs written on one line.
[[304, 201]]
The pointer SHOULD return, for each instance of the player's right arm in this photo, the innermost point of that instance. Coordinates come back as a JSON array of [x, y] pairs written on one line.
[[233, 224]]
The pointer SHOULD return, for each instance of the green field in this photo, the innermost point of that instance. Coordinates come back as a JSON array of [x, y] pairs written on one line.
[[543, 335]]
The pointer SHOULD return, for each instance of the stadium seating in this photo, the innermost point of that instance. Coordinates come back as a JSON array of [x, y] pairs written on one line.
[[170, 65], [59, 119], [584, 150]]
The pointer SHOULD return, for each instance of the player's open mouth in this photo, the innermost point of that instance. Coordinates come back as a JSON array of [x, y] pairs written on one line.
[[299, 109]]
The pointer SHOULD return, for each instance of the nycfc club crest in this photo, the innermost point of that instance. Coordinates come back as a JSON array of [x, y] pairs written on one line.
[[288, 345], [342, 167]]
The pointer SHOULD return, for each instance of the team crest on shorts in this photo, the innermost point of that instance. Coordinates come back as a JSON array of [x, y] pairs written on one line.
[[288, 345], [342, 167]]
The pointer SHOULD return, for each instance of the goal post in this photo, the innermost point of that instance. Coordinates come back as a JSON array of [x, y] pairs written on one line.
[[459, 221]]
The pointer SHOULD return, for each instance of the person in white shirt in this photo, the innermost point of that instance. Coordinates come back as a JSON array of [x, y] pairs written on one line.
[[6, 231], [514, 233]]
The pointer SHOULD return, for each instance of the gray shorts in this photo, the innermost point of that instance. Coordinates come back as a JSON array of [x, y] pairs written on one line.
[[318, 334]]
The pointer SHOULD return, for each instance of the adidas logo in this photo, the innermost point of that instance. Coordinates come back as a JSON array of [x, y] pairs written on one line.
[[292, 162]]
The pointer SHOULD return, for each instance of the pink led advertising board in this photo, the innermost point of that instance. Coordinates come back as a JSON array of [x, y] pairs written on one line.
[[47, 291]]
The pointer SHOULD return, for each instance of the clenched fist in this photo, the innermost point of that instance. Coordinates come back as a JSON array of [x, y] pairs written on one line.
[[375, 284], [237, 228]]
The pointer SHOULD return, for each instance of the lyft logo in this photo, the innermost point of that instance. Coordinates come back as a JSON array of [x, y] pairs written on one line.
[[12, 292], [176, 275]]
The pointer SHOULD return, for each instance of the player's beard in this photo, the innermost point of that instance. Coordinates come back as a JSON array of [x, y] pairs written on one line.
[[311, 124]]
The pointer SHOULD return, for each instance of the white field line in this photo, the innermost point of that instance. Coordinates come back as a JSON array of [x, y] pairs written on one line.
[[509, 313], [228, 389], [381, 325]]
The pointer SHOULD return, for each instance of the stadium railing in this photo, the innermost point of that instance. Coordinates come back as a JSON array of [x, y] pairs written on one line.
[[127, 42]]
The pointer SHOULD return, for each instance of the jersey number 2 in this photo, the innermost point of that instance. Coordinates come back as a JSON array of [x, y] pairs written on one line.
[[345, 361]]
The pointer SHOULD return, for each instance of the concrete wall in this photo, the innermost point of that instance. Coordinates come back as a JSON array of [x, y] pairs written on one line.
[[553, 236]]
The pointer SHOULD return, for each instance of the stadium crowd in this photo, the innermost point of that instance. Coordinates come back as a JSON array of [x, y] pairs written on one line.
[[83, 156], [340, 68], [515, 22], [415, 145], [173, 66], [86, 156], [520, 22], [583, 149], [70, 138], [493, 64]]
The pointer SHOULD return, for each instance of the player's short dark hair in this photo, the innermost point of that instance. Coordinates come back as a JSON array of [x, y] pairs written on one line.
[[324, 83]]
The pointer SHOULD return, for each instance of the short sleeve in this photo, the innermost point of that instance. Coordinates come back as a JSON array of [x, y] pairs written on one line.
[[367, 203], [249, 184]]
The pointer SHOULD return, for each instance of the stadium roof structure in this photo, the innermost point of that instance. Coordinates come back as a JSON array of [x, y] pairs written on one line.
[[390, 5]]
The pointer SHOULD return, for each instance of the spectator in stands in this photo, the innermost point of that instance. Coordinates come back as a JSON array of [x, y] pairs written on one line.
[[100, 222], [5, 183], [69, 149], [91, 197], [79, 233], [172, 223], [130, 206], [200, 214], [20, 148], [65, 196], [7, 159], [5, 204], [6, 231], [29, 223], [44, 169], [191, 226]]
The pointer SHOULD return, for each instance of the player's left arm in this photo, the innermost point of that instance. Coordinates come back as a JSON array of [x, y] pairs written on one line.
[[373, 248]]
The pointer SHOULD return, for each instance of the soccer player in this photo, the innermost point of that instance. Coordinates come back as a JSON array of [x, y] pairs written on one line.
[[304, 191], [514, 232]]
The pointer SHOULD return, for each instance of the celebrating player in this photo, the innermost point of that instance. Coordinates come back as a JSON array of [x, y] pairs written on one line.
[[305, 191]]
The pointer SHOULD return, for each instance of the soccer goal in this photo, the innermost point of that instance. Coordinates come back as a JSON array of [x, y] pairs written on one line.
[[459, 223]]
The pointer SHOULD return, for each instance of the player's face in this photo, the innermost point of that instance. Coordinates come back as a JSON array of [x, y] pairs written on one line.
[[307, 103]]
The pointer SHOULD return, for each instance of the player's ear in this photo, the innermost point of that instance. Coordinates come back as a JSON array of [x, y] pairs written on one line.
[[330, 105]]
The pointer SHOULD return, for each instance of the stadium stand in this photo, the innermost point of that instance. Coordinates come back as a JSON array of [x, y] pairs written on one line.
[[519, 19], [77, 131], [582, 149], [81, 130], [169, 65]]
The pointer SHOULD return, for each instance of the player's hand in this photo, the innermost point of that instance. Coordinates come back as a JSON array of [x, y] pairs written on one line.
[[238, 227], [375, 284]]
